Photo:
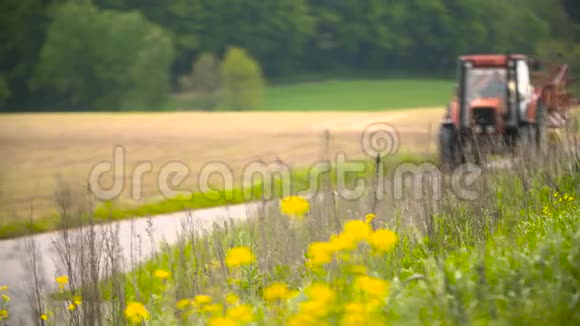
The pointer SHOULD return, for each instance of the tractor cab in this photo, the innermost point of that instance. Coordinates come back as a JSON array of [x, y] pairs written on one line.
[[494, 92]]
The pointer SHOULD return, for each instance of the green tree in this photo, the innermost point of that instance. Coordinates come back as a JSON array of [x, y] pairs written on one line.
[[242, 80], [22, 32], [182, 19], [205, 77], [4, 90], [104, 59]]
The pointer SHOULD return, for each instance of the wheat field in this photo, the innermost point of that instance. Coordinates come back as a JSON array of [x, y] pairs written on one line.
[[42, 151]]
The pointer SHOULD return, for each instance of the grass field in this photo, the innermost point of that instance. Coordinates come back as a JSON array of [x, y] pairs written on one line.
[[345, 95], [359, 95], [46, 154]]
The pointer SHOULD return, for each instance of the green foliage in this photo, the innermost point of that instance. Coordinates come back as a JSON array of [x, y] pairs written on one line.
[[205, 78], [101, 59], [4, 90], [284, 36], [242, 81], [22, 25]]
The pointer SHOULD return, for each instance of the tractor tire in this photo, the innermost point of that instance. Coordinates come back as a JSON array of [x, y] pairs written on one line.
[[540, 131], [449, 148], [527, 141]]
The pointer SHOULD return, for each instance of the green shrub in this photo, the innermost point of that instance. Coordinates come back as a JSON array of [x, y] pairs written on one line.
[[242, 81], [205, 79]]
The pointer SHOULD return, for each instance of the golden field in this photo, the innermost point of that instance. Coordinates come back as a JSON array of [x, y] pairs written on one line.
[[38, 149]]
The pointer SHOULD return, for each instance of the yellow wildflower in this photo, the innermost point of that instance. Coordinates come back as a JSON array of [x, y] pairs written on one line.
[[3, 314], [342, 242], [183, 304], [3, 288], [294, 206], [161, 274], [301, 319], [382, 240], [239, 256], [77, 300], [212, 308], [556, 195], [320, 253], [357, 269], [374, 287], [5, 297], [355, 314], [232, 298], [221, 321], [321, 297], [62, 281], [136, 312], [357, 230], [43, 317], [276, 291], [242, 313], [369, 218], [320, 292], [202, 299], [72, 307], [546, 210]]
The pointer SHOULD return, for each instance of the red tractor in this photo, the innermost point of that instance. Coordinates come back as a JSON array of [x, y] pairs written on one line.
[[498, 108]]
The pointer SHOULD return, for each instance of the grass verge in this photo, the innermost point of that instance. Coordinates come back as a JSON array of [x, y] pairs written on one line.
[[114, 211], [506, 257]]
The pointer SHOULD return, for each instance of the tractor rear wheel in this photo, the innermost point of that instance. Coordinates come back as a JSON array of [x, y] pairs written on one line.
[[527, 141], [541, 137], [449, 148]]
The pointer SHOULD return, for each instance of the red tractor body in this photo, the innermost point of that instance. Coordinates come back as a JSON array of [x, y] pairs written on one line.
[[497, 106]]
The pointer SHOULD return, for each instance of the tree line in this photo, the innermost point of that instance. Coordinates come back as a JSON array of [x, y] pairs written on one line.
[[123, 54]]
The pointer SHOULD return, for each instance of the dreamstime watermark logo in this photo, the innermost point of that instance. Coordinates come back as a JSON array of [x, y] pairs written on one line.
[[414, 180]]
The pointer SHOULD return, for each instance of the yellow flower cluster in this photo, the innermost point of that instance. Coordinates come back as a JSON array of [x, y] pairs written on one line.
[[239, 256], [354, 233], [136, 313], [276, 291], [324, 304], [62, 281], [161, 274], [294, 206], [235, 315], [75, 302], [5, 298]]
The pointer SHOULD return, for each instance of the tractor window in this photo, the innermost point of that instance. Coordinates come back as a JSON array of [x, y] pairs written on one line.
[[523, 78], [485, 83]]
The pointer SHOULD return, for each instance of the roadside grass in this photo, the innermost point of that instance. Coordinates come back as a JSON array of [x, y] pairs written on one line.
[[508, 256], [109, 211], [343, 95], [465, 271]]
